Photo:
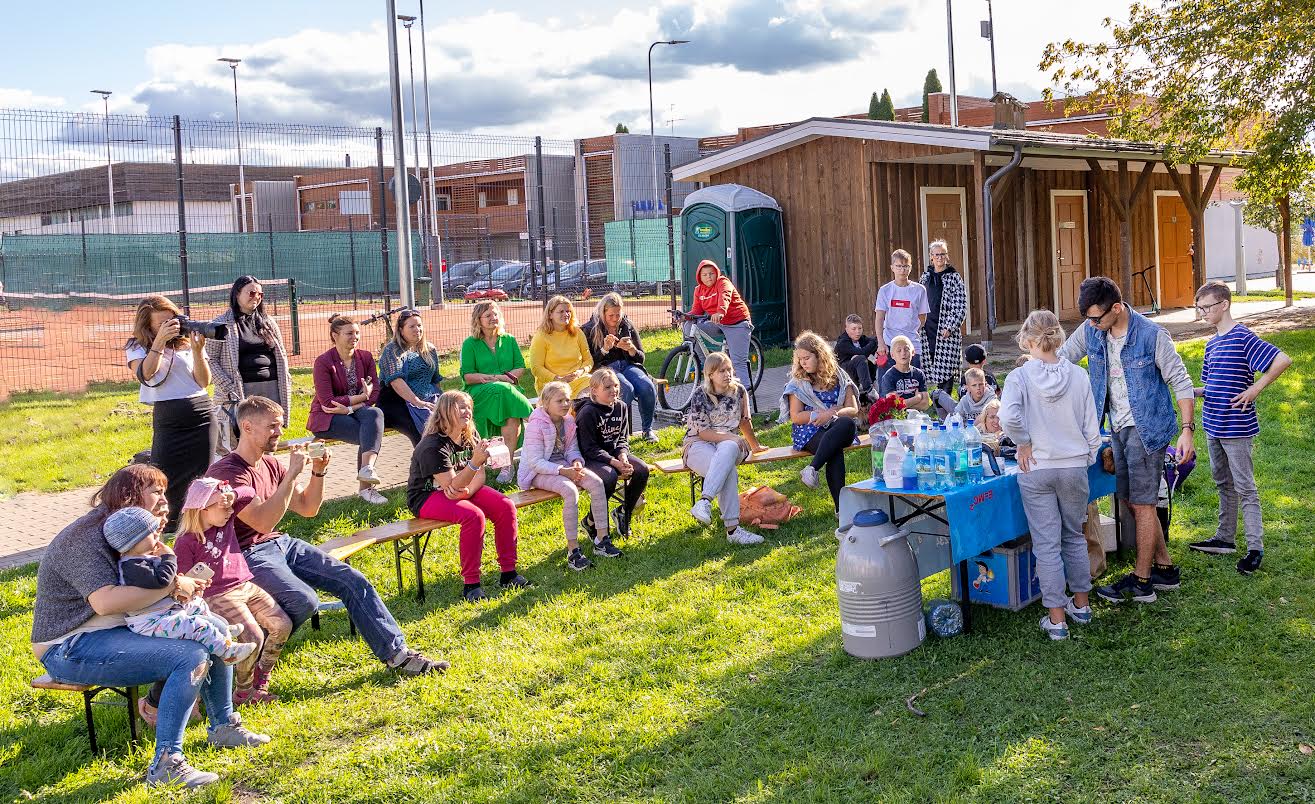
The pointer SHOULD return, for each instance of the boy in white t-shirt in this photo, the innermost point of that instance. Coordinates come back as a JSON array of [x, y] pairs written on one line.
[[901, 308]]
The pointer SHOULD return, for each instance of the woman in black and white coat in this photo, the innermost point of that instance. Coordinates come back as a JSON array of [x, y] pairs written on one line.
[[250, 362], [941, 338]]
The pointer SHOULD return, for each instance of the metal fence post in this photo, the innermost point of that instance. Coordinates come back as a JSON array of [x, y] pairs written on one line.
[[383, 215], [671, 234], [543, 245], [269, 223], [556, 252], [295, 314], [182, 215], [351, 257]]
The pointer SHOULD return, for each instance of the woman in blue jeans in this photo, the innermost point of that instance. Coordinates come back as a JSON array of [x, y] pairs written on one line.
[[79, 637], [346, 403], [614, 343]]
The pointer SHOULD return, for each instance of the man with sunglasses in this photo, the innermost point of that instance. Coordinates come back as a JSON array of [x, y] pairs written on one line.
[[1137, 378]]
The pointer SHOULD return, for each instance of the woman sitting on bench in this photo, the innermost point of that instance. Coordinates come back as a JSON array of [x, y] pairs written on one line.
[[821, 402], [346, 400], [79, 635], [713, 447], [491, 367], [408, 367]]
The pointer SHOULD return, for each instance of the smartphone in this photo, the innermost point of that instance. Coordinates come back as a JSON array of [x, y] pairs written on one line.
[[200, 571]]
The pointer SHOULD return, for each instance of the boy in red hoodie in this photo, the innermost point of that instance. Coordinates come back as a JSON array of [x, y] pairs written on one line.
[[728, 316]]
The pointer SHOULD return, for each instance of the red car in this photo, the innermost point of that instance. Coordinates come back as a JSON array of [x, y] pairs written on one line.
[[496, 294]]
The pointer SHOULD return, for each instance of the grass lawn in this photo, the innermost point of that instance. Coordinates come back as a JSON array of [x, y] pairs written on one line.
[[1272, 295], [692, 670], [55, 442]]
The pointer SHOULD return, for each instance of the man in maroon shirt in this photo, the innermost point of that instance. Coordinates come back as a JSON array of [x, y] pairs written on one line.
[[291, 570]]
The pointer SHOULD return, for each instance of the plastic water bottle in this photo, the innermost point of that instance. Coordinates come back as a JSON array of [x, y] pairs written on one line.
[[893, 463], [922, 455], [954, 420], [910, 473], [959, 455], [941, 458], [972, 441], [878, 439]]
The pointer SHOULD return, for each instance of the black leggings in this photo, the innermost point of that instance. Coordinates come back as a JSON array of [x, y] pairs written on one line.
[[828, 447], [610, 476]]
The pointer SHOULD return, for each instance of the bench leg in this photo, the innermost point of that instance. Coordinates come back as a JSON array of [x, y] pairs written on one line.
[[418, 552], [87, 697], [398, 549], [315, 621], [132, 715]]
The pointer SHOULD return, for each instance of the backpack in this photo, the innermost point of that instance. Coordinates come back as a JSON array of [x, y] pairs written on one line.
[[767, 508]]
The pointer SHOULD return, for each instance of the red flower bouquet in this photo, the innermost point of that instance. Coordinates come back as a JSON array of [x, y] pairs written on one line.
[[888, 407]]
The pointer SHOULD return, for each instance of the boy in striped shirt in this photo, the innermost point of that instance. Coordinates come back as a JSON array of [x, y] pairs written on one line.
[[1233, 357]]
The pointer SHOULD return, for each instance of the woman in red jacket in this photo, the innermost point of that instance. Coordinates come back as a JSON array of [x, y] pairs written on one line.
[[345, 407], [728, 316]]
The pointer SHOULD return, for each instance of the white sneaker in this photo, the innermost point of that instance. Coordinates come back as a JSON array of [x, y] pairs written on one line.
[[1080, 615], [371, 496], [742, 536], [809, 476], [702, 511], [368, 475], [505, 476], [235, 629], [1056, 631], [239, 651]]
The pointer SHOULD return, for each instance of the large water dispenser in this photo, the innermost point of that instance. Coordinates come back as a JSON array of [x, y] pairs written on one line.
[[878, 588]]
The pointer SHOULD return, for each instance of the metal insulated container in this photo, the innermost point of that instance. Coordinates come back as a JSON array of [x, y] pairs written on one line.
[[878, 588]]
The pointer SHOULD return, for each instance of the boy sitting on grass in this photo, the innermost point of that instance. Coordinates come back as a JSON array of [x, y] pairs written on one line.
[[975, 356], [974, 396], [1233, 357], [857, 355]]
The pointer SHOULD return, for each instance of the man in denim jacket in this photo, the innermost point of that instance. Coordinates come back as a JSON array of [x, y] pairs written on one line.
[[1136, 377]]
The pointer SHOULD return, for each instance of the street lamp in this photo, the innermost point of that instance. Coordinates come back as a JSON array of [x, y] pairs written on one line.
[[988, 32], [438, 294], [954, 93], [237, 129], [403, 251], [109, 162], [407, 22], [652, 141]]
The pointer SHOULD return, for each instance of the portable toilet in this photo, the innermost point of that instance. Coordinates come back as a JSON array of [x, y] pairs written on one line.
[[740, 229]]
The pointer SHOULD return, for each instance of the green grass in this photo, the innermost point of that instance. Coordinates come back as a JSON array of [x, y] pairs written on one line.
[[691, 670], [1272, 295], [56, 442]]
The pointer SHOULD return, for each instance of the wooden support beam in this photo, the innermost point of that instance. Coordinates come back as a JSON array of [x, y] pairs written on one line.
[[1125, 231], [1210, 186], [1143, 181], [1001, 189], [1032, 272], [983, 243], [1098, 173]]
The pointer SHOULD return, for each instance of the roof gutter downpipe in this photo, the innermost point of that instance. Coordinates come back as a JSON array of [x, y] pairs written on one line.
[[990, 241]]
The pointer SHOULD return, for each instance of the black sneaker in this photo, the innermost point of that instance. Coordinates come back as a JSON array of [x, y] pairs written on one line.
[[517, 581], [577, 561], [473, 595], [1127, 588], [622, 522], [587, 524], [1251, 562], [606, 549], [1215, 546], [1165, 579]]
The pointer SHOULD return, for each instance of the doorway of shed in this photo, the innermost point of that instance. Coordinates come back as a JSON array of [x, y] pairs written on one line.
[[1071, 263], [1173, 258], [944, 217]]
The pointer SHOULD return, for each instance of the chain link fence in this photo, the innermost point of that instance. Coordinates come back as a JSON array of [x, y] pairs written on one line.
[[97, 211]]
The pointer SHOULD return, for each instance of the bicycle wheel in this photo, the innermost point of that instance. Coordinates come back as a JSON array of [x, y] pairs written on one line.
[[682, 372], [756, 363]]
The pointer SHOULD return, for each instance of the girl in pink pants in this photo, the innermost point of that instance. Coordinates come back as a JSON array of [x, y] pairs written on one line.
[[447, 484]]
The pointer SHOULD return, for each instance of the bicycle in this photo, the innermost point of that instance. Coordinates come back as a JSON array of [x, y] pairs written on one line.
[[682, 370], [1150, 294], [385, 316]]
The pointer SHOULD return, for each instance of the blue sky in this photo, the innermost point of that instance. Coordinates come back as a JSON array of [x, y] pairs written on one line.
[[567, 69]]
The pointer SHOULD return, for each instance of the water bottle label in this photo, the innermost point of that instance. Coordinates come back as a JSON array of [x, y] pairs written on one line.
[[849, 629], [975, 457]]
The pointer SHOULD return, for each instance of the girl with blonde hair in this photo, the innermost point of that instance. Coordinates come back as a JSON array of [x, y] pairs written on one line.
[[718, 436], [491, 369], [558, 350], [614, 343], [551, 460], [446, 483], [821, 402]]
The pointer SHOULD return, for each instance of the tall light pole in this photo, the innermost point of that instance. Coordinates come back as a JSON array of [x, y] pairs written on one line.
[[439, 293], [954, 94], [109, 162], [404, 279], [988, 32], [408, 21], [237, 130], [652, 140]]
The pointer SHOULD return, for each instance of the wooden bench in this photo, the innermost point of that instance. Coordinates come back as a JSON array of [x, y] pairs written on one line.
[[675, 466], [89, 693]]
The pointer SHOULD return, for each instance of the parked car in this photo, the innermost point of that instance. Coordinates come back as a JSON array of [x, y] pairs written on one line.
[[506, 279], [578, 275], [462, 275]]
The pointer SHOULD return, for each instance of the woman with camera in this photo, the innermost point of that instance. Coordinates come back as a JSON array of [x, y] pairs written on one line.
[[251, 363], [170, 363]]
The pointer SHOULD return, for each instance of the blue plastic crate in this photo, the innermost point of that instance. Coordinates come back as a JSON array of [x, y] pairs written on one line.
[[1004, 577]]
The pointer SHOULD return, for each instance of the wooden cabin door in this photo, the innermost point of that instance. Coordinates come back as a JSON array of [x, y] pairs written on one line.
[[943, 219], [1070, 229], [1173, 254]]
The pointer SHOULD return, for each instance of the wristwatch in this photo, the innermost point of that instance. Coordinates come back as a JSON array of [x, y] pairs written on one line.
[[1190, 426], [319, 474]]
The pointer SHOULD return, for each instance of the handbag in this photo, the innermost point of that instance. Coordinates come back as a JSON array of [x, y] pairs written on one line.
[[766, 508]]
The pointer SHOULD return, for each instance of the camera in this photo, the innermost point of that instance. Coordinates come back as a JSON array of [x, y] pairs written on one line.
[[206, 329]]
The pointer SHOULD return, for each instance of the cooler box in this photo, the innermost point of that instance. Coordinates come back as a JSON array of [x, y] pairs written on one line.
[[1004, 577]]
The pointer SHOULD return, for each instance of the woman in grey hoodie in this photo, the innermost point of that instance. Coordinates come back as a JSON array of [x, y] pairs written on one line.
[[1047, 409]]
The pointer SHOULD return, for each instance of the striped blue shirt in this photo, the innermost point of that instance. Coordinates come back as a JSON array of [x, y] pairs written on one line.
[[1232, 361]]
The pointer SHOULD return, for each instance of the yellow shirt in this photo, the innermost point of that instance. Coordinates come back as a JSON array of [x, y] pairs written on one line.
[[559, 353]]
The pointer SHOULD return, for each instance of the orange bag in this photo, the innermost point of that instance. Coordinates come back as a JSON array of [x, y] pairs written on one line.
[[766, 508]]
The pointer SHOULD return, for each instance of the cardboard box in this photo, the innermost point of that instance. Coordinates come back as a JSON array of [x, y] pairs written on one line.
[[1004, 577]]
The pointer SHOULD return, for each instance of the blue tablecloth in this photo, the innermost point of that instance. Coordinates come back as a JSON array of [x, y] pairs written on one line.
[[986, 514]]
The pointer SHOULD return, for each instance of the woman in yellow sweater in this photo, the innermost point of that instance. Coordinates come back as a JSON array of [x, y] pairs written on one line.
[[558, 350]]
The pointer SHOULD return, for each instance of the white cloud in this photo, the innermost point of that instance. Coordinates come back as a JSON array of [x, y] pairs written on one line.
[[26, 99]]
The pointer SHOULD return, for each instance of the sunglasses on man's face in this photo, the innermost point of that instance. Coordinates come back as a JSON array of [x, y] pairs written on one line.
[[1096, 319]]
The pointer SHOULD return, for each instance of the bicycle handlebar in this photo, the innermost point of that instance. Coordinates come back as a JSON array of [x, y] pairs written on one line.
[[380, 316]]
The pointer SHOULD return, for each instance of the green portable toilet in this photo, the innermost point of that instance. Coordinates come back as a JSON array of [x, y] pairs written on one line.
[[740, 229]]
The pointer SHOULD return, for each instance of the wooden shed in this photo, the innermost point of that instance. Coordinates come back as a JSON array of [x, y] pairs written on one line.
[[1063, 207]]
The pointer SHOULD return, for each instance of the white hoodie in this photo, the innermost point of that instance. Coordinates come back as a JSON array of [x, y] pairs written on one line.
[[1049, 405]]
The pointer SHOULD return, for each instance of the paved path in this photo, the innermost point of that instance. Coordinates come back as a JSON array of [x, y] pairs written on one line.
[[32, 518]]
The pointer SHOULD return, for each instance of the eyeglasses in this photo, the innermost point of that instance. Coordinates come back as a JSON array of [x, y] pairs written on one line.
[[936, 254], [1096, 319], [1205, 308], [900, 265]]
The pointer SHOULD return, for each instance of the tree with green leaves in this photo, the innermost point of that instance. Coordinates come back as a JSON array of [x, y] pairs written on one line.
[[621, 128], [874, 107], [1199, 75], [885, 108], [930, 84]]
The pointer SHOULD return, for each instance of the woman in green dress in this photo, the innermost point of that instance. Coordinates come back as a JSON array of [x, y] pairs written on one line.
[[491, 365]]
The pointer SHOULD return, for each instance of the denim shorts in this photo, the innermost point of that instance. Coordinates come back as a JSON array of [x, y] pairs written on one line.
[[1137, 471]]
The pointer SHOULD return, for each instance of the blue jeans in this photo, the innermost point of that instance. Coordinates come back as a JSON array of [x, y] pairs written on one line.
[[736, 338], [291, 570], [365, 428], [420, 415], [636, 384], [118, 657]]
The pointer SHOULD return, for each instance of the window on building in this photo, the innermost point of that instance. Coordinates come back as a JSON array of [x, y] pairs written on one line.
[[354, 202], [483, 199], [513, 197], [443, 203]]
